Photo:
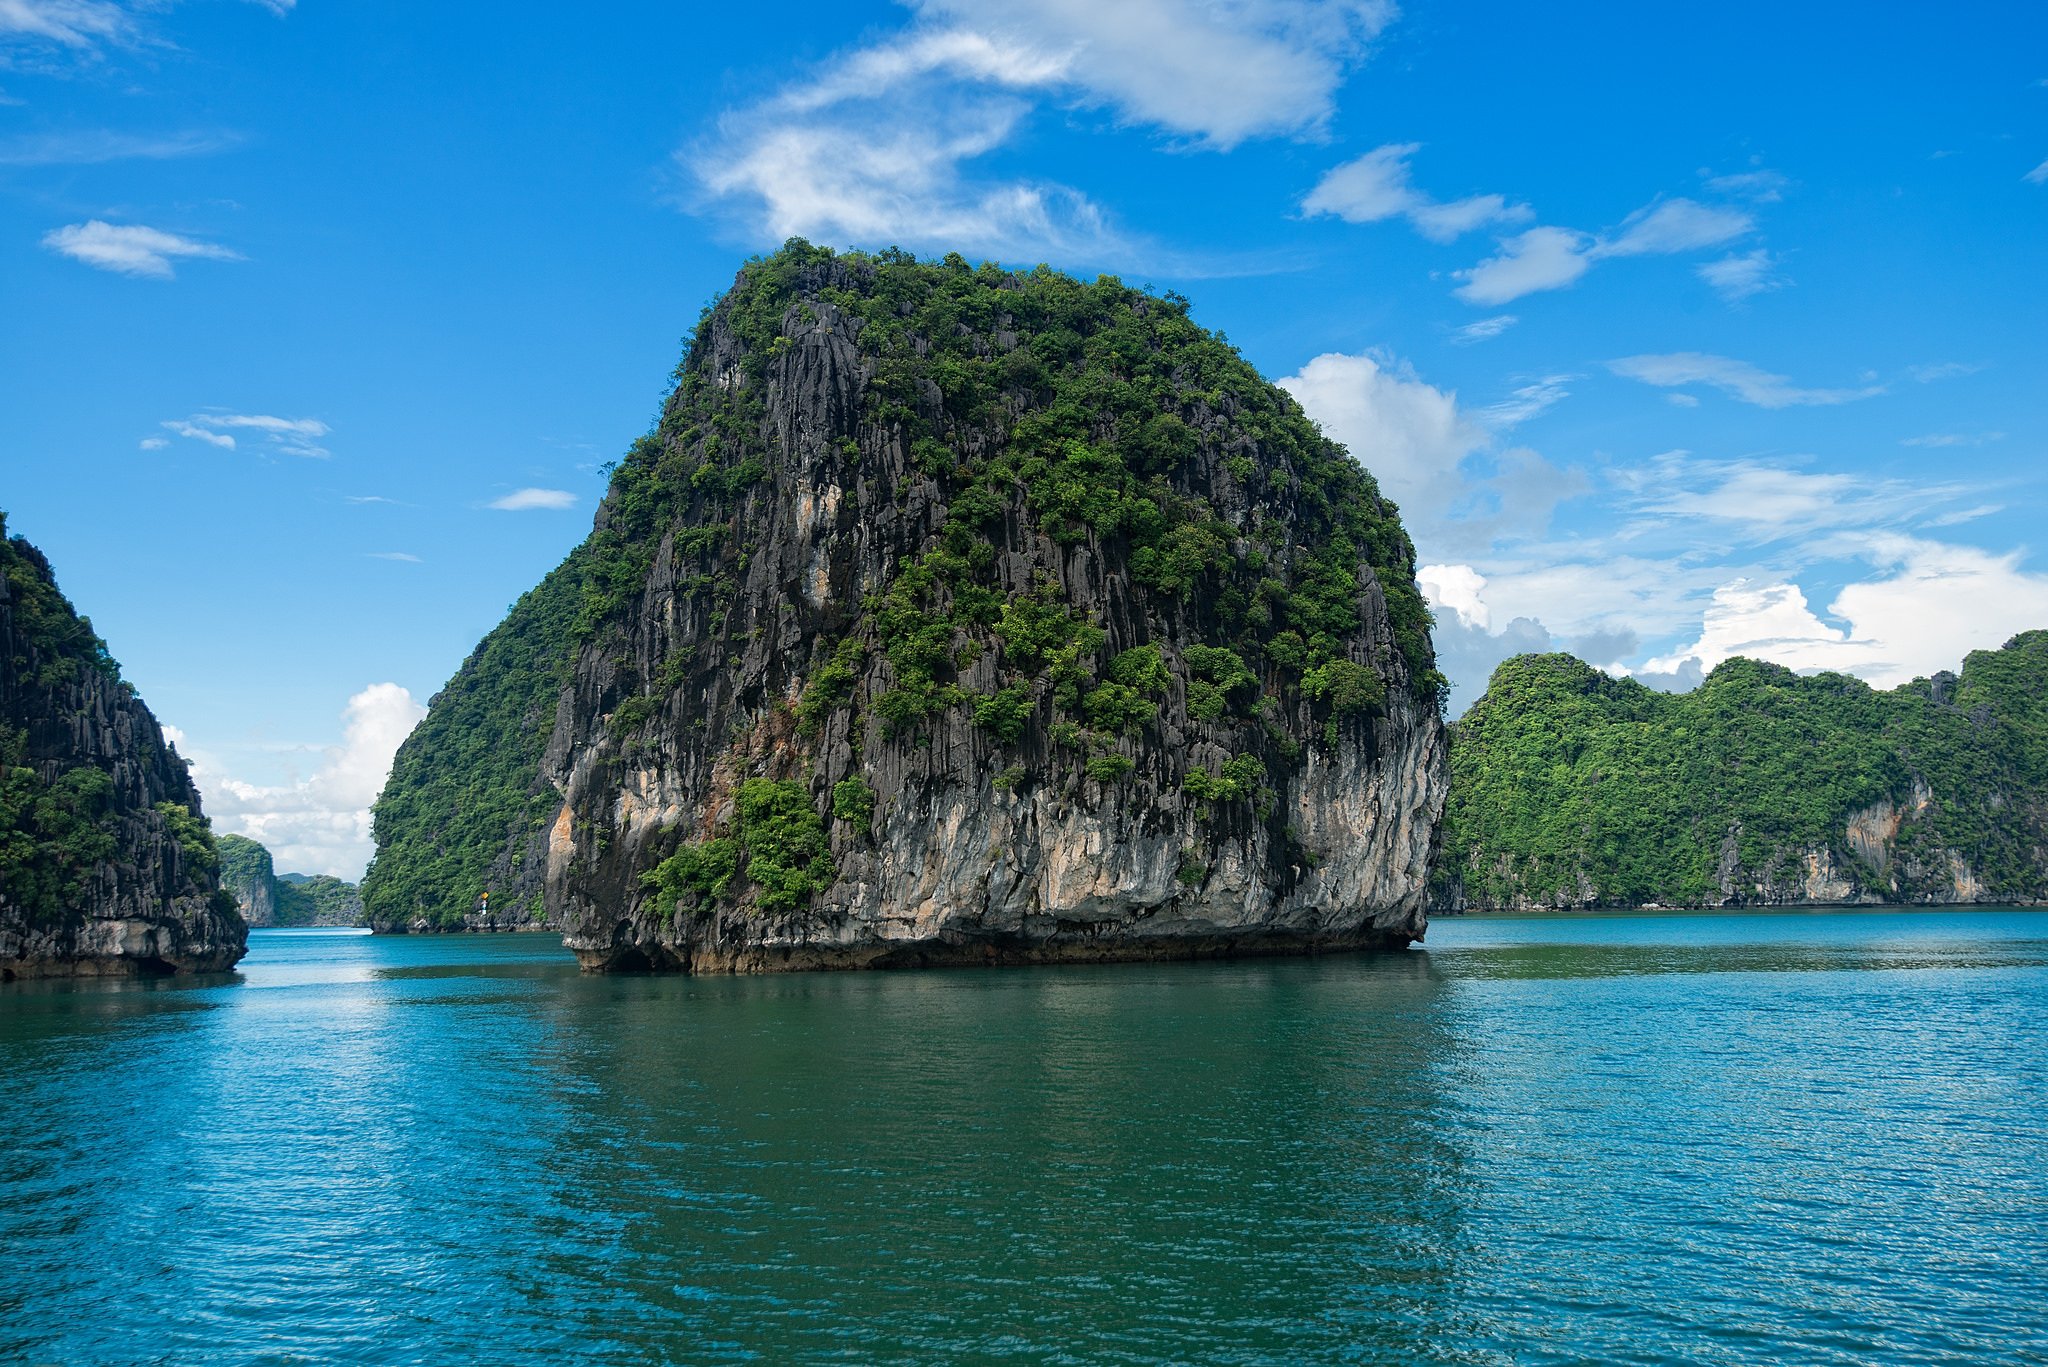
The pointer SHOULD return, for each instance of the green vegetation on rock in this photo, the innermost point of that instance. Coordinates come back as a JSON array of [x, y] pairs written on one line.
[[1572, 788]]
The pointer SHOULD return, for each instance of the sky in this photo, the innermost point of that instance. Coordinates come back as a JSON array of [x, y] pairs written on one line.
[[1676, 332]]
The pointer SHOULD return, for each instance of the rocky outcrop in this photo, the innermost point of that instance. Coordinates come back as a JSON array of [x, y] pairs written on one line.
[[1572, 790], [106, 863], [956, 616], [248, 876], [270, 899]]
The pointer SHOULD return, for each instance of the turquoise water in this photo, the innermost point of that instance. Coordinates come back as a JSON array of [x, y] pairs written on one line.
[[1710, 1139]]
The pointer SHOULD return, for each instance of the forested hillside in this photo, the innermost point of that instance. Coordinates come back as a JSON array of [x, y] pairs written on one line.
[[1761, 786]]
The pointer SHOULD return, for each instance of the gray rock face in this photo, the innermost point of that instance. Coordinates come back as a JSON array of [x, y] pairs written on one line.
[[980, 848], [124, 879]]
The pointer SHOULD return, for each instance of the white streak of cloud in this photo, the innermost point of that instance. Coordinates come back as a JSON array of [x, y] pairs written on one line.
[[393, 555], [198, 433], [2037, 176], [1738, 379], [1485, 330], [80, 24], [130, 249], [1762, 186], [1675, 226], [285, 436], [524, 500], [91, 147]]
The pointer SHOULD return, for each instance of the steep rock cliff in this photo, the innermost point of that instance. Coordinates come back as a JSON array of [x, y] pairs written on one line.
[[1759, 788], [106, 862], [267, 898], [952, 615]]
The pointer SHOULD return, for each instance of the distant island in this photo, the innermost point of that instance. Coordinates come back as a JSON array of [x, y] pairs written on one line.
[[107, 863], [950, 614], [1761, 787], [267, 898]]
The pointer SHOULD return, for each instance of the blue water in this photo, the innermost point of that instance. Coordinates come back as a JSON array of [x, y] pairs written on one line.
[[1700, 1139]]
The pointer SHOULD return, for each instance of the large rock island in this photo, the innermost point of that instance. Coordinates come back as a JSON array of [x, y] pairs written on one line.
[[106, 862], [950, 614], [1760, 787]]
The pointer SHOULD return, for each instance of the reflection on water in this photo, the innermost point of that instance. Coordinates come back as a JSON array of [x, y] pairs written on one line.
[[1674, 1139]]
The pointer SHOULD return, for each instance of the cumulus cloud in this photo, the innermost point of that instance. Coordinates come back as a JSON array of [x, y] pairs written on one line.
[[1376, 186], [526, 500], [130, 249], [1458, 487], [1933, 604], [283, 436], [320, 824], [1738, 379], [880, 145]]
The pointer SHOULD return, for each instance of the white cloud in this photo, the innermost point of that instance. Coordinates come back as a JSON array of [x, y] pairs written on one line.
[[1739, 379], [1486, 329], [71, 23], [1539, 259], [1526, 401], [1458, 490], [153, 443], [1551, 258], [1943, 370], [130, 249], [288, 436], [1456, 589], [1376, 186], [320, 824], [1953, 439], [1935, 604], [1219, 72], [1739, 277], [393, 555], [1762, 186], [2037, 176], [1675, 226], [198, 433], [93, 146], [523, 500], [879, 145]]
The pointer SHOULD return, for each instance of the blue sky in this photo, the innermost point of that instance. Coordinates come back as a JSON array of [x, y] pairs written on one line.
[[1676, 332]]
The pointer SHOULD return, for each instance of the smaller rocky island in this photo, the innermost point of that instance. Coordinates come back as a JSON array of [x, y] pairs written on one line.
[[1761, 787], [107, 865], [270, 899]]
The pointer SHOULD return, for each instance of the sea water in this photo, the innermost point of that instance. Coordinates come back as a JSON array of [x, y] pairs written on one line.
[[1802, 1138]]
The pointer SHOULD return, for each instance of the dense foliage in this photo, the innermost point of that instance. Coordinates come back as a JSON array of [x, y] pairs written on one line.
[[1568, 786], [60, 818], [465, 785]]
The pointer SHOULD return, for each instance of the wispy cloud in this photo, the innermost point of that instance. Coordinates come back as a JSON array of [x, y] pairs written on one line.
[[1738, 277], [92, 146], [1526, 401], [1738, 379], [1486, 329], [372, 498], [1377, 186], [883, 144], [1944, 370], [284, 436], [393, 555], [130, 249], [1953, 439], [1761, 185], [2037, 176], [1550, 258], [78, 24], [526, 500]]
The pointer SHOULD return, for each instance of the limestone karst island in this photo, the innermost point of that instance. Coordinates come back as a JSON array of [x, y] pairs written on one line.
[[1277, 684]]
